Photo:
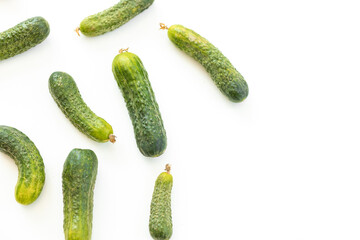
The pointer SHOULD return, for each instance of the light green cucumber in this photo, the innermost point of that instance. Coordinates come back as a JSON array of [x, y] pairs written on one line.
[[160, 223], [113, 17], [31, 177]]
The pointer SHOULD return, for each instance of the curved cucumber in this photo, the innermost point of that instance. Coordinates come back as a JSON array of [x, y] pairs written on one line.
[[226, 77], [113, 17], [143, 109], [67, 96], [160, 224], [23, 36], [79, 175], [31, 177]]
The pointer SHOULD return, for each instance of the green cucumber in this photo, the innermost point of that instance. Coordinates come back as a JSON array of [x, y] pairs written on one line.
[[67, 96], [224, 74], [78, 182], [23, 36], [143, 109], [160, 224], [112, 18], [31, 177]]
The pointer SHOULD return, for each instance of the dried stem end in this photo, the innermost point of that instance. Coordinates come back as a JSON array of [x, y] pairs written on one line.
[[77, 30], [163, 26], [123, 50], [112, 138], [168, 168]]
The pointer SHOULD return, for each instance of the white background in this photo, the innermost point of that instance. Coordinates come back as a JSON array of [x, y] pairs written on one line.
[[283, 164]]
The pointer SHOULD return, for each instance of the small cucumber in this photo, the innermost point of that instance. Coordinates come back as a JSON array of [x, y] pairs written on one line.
[[143, 109], [160, 224], [31, 177], [78, 182], [23, 36], [67, 96], [224, 74], [112, 18]]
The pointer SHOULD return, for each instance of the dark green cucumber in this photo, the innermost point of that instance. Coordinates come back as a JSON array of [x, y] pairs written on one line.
[[112, 18], [31, 177], [23, 36], [224, 74], [67, 96], [143, 109], [78, 182], [160, 224]]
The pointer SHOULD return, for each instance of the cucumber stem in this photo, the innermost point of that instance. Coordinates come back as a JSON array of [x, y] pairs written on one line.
[[112, 138], [77, 30], [123, 50], [168, 168], [163, 26]]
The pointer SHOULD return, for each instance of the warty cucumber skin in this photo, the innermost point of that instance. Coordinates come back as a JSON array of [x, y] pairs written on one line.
[[23, 36], [113, 17], [224, 74], [143, 109], [160, 224], [78, 183], [27, 157], [66, 94]]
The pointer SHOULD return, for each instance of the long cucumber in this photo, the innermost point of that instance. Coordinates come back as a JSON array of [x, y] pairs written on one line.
[[133, 81], [113, 17], [66, 94], [223, 73], [23, 36]]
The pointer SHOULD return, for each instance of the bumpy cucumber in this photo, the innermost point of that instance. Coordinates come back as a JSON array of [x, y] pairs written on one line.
[[224, 74], [23, 36], [29, 161], [143, 109], [79, 175], [160, 224], [67, 96], [113, 17]]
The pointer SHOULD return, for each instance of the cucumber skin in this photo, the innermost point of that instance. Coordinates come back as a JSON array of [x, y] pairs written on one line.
[[113, 17], [79, 176], [160, 224], [31, 177], [67, 96], [224, 74], [23, 36], [143, 109]]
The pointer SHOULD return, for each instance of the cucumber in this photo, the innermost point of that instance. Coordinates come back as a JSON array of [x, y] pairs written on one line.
[[143, 109], [23, 36], [31, 177], [67, 96], [160, 224], [78, 182], [224, 74], [112, 18]]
